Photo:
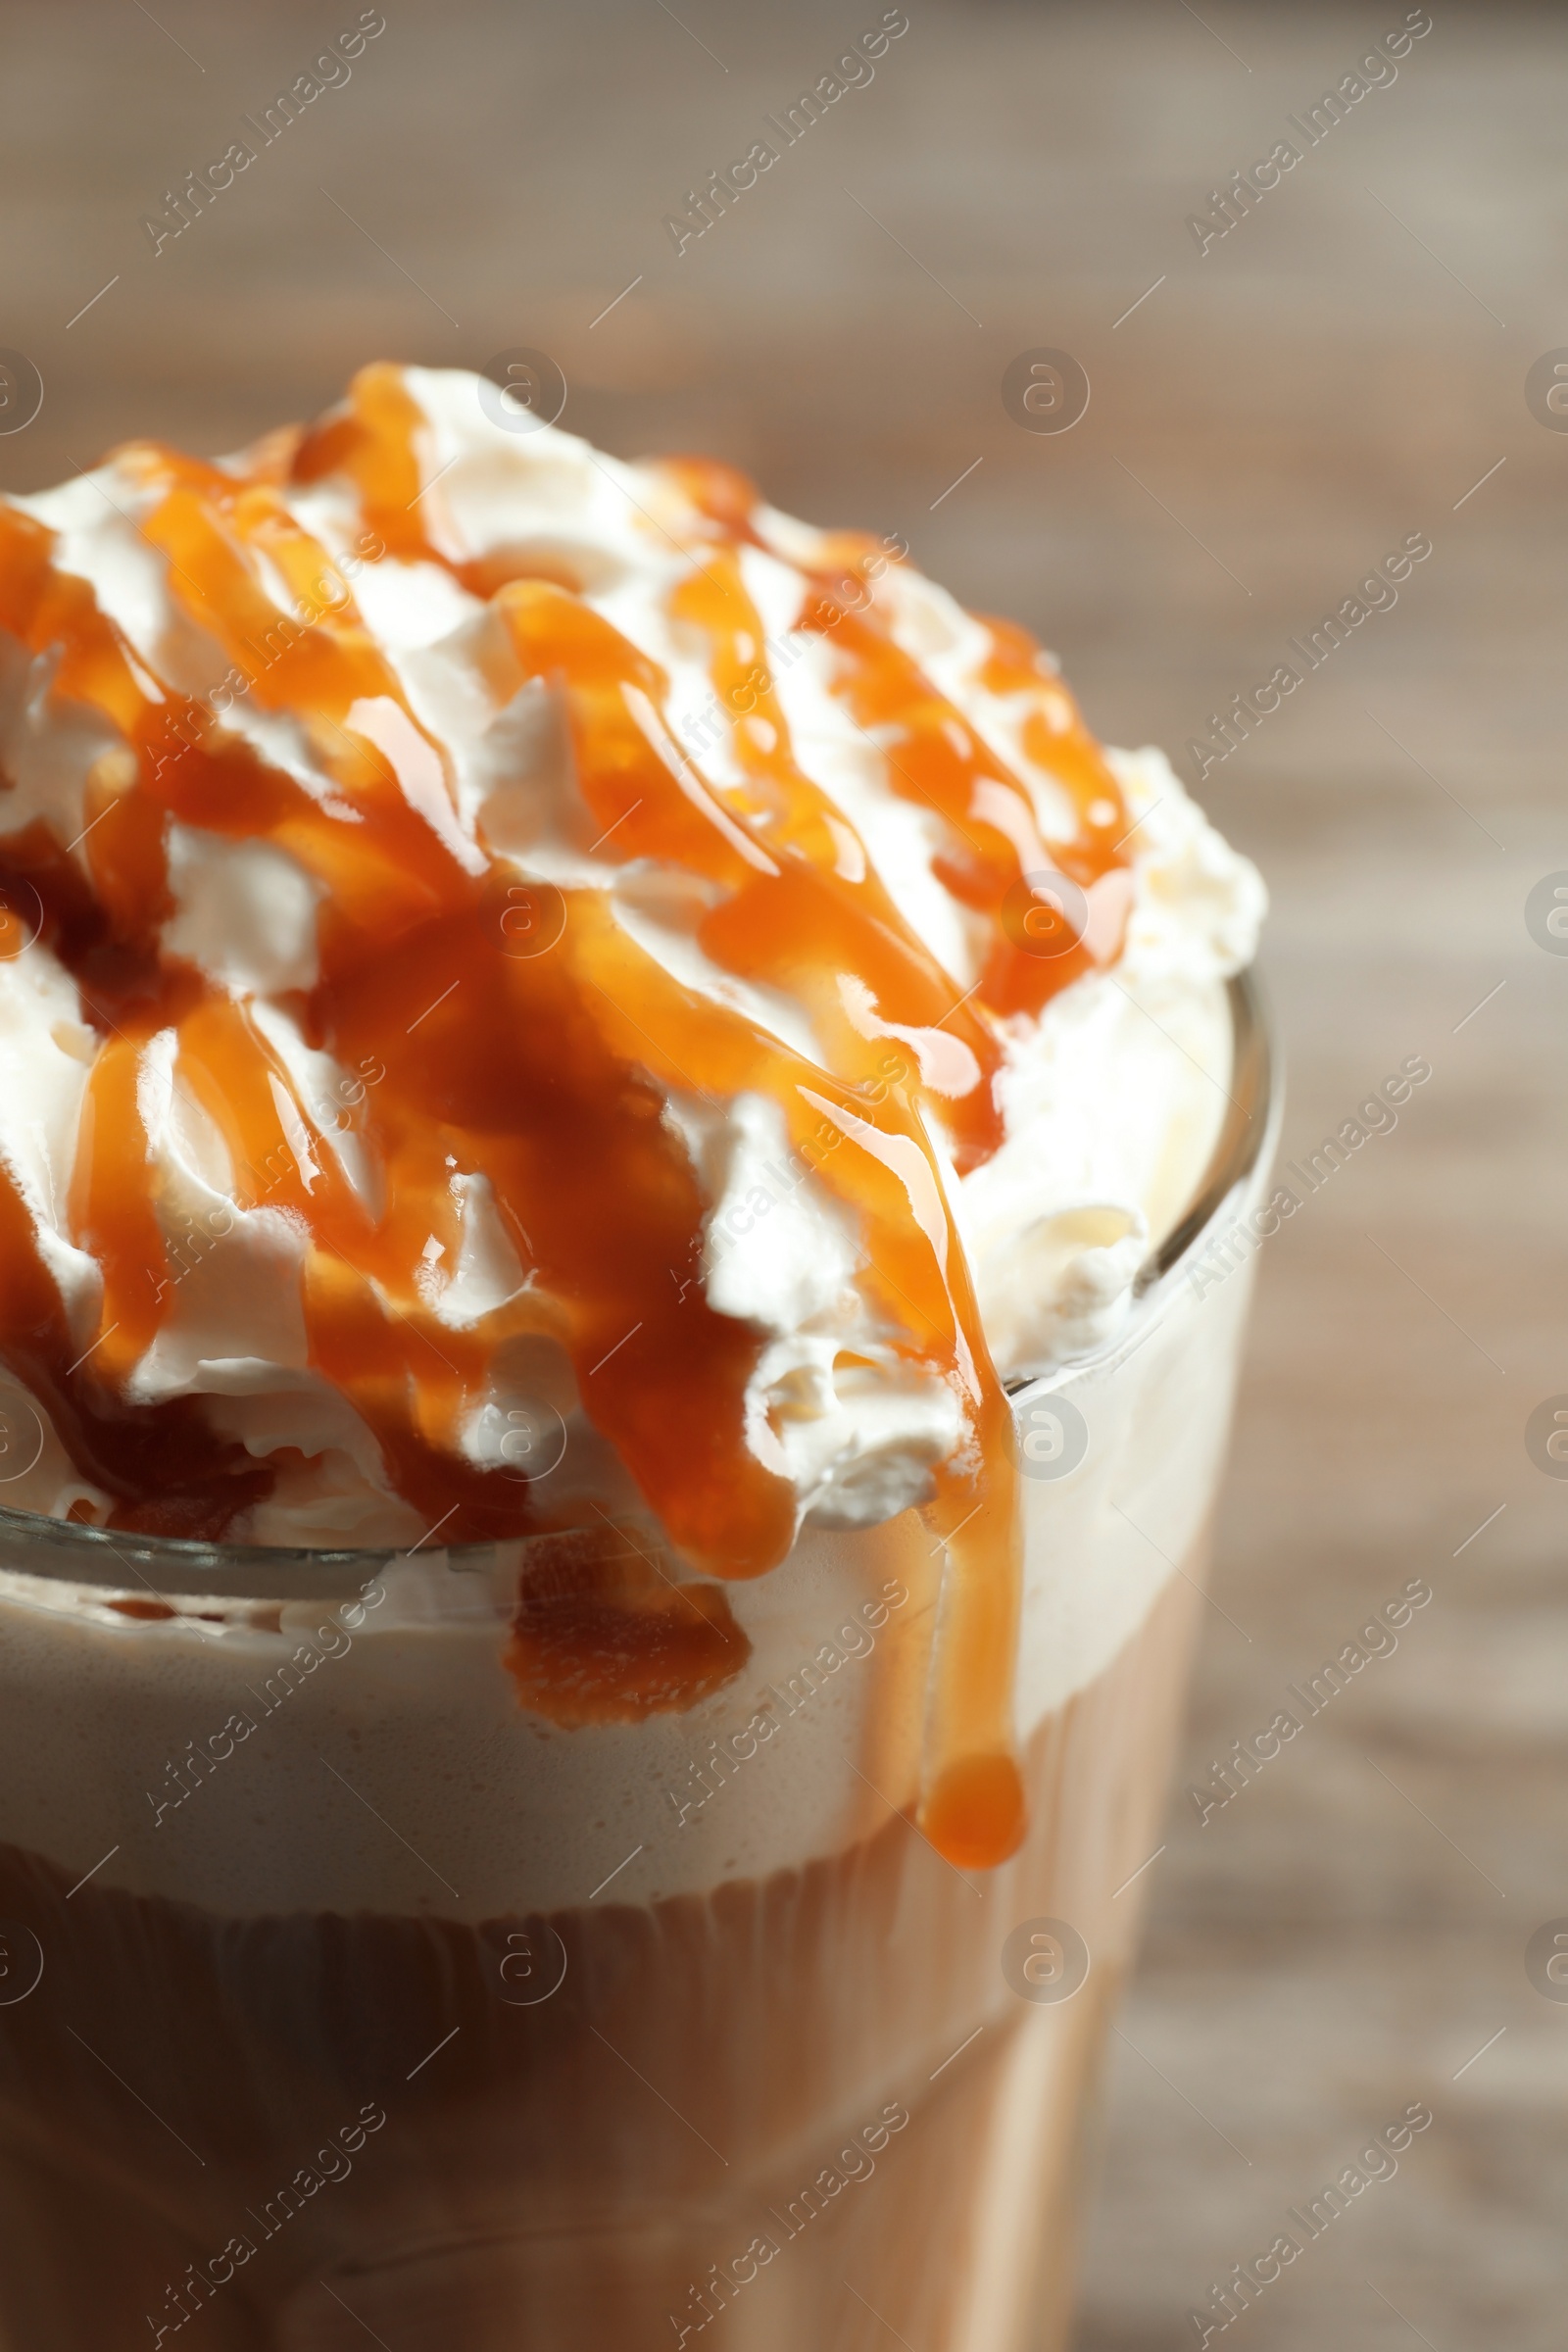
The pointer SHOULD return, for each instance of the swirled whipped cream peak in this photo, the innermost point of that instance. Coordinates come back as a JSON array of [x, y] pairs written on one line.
[[535, 987]]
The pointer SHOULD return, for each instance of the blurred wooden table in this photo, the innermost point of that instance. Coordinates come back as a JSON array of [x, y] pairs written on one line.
[[1267, 422]]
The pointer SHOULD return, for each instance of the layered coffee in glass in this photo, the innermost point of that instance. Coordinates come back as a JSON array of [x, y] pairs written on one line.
[[615, 1368]]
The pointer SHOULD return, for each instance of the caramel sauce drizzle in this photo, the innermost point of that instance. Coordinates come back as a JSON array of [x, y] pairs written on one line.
[[548, 1073]]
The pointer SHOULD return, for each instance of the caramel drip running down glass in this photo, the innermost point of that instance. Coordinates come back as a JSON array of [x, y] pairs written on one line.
[[626, 1200]]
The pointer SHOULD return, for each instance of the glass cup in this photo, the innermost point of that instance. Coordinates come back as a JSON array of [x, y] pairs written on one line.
[[342, 1995]]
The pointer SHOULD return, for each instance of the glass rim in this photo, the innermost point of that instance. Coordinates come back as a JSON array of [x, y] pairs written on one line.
[[1247, 1136], [86, 1554]]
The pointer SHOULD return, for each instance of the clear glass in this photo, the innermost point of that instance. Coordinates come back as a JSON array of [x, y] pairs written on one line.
[[340, 1997]]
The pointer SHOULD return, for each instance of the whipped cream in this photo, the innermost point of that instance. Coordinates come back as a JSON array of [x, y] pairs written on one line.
[[1110, 1098]]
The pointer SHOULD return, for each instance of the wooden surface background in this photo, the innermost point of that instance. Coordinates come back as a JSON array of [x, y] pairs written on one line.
[[1338, 371]]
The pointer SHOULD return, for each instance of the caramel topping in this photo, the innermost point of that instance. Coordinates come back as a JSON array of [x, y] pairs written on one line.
[[604, 1633], [545, 1072]]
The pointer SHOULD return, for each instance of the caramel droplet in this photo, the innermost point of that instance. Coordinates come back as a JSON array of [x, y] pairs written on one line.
[[604, 1633], [975, 1811]]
